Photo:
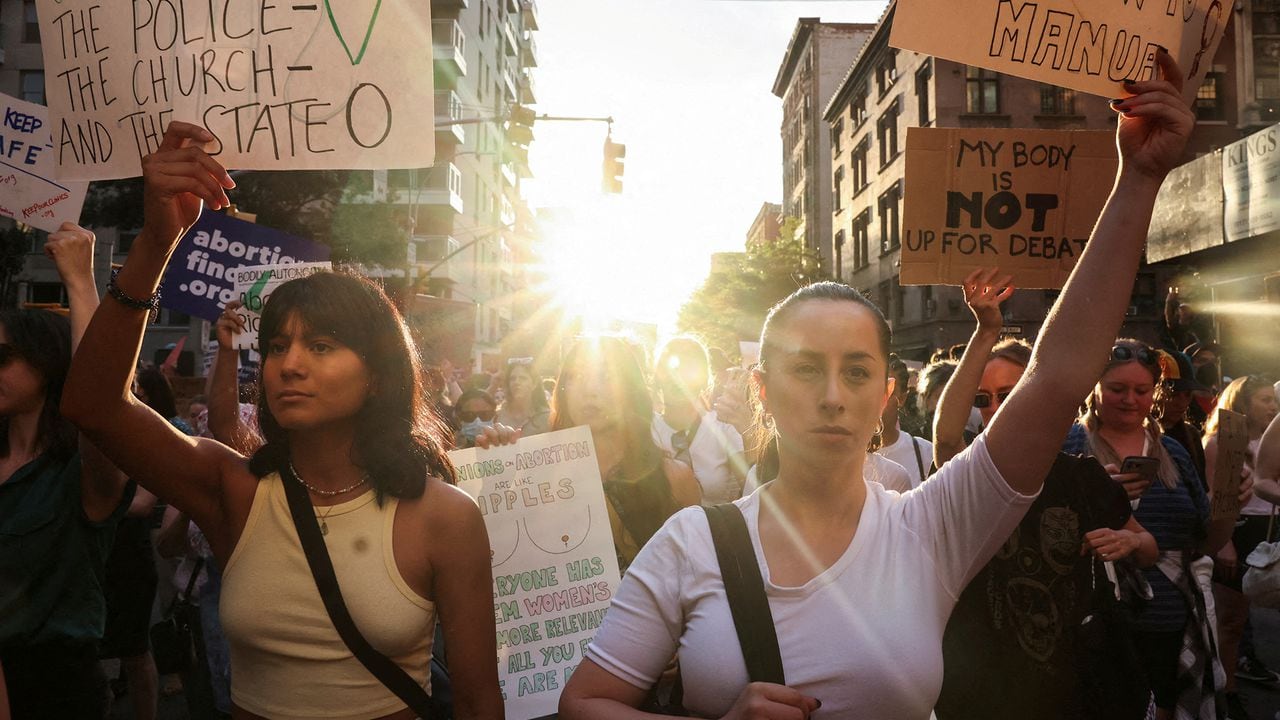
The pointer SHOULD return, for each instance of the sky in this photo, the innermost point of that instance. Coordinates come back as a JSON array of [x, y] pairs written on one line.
[[689, 85]]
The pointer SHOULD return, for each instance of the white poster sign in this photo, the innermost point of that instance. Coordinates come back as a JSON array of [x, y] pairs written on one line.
[[327, 84], [254, 285], [1251, 185], [555, 570], [29, 190]]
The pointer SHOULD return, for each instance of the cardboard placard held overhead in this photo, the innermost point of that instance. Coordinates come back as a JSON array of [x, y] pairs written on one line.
[[554, 567], [1233, 448], [29, 190], [1021, 200], [320, 85], [1087, 45]]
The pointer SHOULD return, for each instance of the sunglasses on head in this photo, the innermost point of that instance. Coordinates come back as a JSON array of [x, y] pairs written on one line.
[[983, 400], [1124, 353], [470, 415]]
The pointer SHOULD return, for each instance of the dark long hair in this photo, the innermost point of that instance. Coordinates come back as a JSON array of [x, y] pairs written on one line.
[[43, 340], [399, 440], [158, 391]]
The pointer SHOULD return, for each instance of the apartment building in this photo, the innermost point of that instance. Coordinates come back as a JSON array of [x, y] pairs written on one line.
[[885, 91], [767, 226], [470, 227], [817, 58]]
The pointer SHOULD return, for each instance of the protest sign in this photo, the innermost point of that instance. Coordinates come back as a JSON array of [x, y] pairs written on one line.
[[1251, 185], [29, 190], [1090, 45], [253, 287], [1233, 447], [1022, 200], [337, 85], [199, 280], [554, 565]]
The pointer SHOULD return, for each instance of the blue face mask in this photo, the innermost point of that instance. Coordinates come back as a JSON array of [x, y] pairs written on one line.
[[471, 430]]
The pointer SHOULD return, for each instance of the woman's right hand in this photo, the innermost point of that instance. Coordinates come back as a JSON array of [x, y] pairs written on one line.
[[767, 701], [229, 324], [1135, 484], [984, 292], [178, 178]]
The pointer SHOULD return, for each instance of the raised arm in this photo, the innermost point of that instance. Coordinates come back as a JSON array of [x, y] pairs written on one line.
[[224, 388], [983, 292], [1071, 352], [71, 249], [185, 471]]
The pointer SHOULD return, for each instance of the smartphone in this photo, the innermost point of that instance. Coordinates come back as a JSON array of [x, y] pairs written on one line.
[[1147, 467]]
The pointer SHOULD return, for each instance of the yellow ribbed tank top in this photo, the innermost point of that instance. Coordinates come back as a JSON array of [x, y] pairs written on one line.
[[287, 660]]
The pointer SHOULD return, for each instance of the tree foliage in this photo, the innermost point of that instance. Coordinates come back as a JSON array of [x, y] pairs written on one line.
[[732, 302]]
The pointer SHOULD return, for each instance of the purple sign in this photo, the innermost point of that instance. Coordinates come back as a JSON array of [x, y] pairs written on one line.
[[200, 277]]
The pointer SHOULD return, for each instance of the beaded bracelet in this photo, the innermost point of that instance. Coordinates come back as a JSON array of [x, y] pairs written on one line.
[[151, 304]]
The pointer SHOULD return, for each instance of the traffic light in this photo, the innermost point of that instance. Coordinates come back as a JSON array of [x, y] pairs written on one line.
[[520, 132], [614, 153]]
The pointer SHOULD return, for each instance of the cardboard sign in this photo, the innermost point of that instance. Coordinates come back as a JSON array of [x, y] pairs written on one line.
[[555, 570], [29, 192], [1233, 448], [1023, 200], [317, 85], [199, 280], [1088, 45], [1250, 169], [253, 287]]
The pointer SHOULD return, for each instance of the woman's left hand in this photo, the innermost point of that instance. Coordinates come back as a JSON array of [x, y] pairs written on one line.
[[496, 435], [1154, 122], [1110, 544]]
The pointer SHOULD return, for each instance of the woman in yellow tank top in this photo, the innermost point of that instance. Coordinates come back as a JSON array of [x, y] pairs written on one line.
[[341, 403]]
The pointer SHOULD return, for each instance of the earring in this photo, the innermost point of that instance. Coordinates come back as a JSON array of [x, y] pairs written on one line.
[[879, 428]]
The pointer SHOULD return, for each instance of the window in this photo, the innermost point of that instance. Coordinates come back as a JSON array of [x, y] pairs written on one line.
[[861, 236], [839, 264], [46, 293], [32, 82], [899, 297], [928, 306], [982, 91], [30, 23], [884, 298], [838, 183], [1056, 100], [887, 71], [837, 136], [887, 131], [858, 108], [1209, 103], [922, 92], [888, 206], [858, 159]]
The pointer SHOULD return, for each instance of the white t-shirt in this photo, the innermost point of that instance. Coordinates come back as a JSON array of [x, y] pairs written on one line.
[[877, 469], [902, 453], [712, 446], [864, 637]]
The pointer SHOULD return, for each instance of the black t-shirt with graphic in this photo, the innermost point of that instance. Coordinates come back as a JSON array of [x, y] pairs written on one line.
[[1008, 647]]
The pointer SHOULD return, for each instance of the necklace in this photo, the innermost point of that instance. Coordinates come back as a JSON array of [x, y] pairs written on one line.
[[324, 526]]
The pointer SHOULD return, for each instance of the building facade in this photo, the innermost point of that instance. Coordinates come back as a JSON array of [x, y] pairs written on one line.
[[766, 227], [885, 91], [470, 229], [816, 59]]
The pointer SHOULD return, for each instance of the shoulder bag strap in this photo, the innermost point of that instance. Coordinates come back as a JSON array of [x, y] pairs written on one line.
[[919, 461], [744, 588], [382, 667]]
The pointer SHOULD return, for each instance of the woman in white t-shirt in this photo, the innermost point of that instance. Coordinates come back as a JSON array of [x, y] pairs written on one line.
[[860, 580]]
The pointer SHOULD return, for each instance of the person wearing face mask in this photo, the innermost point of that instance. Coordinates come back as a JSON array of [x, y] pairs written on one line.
[[1206, 361], [474, 412]]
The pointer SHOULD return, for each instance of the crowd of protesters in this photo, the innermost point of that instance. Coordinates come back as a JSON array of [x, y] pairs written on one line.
[[1009, 531]]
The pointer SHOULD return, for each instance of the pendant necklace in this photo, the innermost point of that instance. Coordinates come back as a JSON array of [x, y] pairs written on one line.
[[324, 526]]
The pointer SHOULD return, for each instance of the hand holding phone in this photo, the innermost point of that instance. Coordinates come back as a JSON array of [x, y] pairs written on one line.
[[1136, 473]]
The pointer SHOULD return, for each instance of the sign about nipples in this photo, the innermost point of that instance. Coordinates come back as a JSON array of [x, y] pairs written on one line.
[[303, 85], [554, 566]]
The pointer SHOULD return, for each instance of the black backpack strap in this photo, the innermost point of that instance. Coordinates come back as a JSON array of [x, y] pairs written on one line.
[[744, 588], [382, 667], [919, 461]]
